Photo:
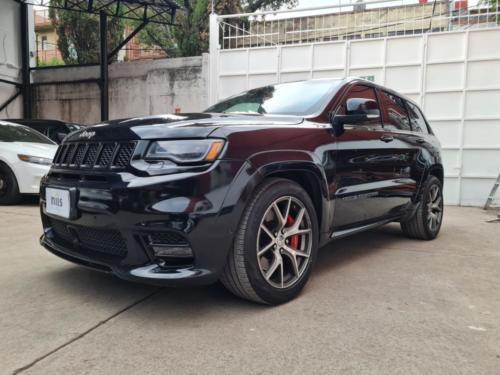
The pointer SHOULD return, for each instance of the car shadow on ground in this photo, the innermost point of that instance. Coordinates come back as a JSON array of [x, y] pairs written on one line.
[[79, 281], [28, 200]]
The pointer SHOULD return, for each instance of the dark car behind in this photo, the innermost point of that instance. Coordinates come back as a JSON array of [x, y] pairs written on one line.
[[53, 129]]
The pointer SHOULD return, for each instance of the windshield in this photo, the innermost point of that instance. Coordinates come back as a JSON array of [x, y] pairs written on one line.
[[295, 98], [20, 133]]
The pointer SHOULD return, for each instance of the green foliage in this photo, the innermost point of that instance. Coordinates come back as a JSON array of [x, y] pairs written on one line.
[[190, 38], [494, 7], [78, 34], [54, 61]]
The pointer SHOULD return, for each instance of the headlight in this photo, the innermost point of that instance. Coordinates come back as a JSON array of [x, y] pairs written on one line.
[[186, 151], [35, 159]]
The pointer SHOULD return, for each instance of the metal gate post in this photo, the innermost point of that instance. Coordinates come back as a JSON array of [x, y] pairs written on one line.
[[25, 61], [104, 82], [214, 58]]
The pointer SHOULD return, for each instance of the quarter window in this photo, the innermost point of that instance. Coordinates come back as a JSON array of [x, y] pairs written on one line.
[[395, 114], [418, 123]]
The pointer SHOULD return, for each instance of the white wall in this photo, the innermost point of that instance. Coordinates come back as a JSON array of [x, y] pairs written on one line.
[[454, 76]]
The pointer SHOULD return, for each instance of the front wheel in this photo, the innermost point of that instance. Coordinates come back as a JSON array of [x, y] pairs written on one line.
[[9, 190], [275, 246], [426, 222]]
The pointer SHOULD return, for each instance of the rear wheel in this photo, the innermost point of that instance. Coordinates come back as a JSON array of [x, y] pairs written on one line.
[[9, 190], [426, 222], [275, 246]]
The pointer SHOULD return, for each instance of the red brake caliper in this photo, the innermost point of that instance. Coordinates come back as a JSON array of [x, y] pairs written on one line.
[[294, 240]]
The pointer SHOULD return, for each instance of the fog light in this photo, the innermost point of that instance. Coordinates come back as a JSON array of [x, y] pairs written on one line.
[[166, 251]]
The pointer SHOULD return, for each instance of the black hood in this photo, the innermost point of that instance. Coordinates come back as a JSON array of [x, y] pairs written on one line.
[[172, 126]]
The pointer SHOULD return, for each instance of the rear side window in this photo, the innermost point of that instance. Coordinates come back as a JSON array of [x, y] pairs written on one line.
[[361, 100], [394, 112], [418, 123], [19, 133]]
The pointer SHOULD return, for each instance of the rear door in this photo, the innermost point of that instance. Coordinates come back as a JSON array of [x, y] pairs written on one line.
[[365, 176], [402, 151], [429, 147]]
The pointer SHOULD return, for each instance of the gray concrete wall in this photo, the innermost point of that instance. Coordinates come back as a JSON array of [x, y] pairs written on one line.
[[136, 88]]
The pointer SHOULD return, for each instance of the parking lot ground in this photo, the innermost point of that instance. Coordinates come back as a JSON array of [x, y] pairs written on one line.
[[377, 303]]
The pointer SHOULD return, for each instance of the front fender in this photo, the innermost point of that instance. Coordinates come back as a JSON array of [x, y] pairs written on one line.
[[274, 163]]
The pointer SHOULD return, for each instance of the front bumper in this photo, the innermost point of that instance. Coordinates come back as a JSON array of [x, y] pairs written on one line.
[[29, 175], [115, 214]]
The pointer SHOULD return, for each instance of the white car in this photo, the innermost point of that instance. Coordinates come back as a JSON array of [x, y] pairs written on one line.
[[25, 157]]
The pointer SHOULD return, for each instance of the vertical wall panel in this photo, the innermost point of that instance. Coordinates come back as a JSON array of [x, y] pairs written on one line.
[[367, 53], [445, 47], [329, 56], [403, 79], [405, 51]]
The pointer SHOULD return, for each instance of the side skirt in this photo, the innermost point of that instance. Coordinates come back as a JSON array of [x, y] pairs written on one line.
[[347, 232]]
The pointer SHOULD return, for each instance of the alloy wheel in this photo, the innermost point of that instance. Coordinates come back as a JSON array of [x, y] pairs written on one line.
[[434, 208], [284, 242]]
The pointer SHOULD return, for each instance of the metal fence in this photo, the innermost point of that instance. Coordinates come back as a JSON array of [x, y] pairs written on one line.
[[360, 20]]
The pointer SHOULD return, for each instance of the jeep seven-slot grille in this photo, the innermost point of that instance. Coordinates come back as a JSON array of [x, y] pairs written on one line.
[[94, 155]]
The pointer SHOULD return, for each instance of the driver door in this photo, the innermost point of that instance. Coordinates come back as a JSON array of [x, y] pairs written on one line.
[[364, 170]]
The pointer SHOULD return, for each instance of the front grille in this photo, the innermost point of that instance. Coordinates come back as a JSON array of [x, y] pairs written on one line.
[[107, 241], [95, 155]]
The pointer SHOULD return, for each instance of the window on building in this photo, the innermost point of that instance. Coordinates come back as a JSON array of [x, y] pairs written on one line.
[[45, 46]]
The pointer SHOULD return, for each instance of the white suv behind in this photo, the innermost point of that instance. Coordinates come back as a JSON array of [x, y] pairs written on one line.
[[25, 157]]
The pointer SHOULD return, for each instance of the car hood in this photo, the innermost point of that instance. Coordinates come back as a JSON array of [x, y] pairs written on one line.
[[34, 149], [171, 126]]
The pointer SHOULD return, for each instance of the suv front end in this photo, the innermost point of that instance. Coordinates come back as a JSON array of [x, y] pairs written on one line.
[[143, 209]]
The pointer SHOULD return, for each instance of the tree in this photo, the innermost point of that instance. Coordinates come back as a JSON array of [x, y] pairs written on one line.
[[494, 7], [78, 34], [190, 37]]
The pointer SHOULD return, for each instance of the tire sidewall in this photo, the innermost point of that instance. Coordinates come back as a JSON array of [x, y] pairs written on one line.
[[11, 195], [423, 207], [264, 290]]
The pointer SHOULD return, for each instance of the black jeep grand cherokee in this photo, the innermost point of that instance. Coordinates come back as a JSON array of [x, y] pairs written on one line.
[[245, 192]]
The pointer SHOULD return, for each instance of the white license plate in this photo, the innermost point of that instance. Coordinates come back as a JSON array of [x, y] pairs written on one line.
[[58, 202]]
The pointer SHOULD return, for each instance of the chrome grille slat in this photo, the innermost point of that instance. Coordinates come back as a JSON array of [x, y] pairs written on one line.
[[90, 155]]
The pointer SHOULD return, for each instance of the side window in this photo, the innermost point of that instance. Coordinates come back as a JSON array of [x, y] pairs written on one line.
[[418, 123], [394, 110], [361, 100], [51, 132]]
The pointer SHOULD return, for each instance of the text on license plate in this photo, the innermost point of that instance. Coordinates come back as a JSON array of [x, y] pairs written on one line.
[[58, 202]]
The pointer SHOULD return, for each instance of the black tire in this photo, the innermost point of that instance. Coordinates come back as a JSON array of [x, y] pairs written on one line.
[[243, 274], [9, 190], [421, 225]]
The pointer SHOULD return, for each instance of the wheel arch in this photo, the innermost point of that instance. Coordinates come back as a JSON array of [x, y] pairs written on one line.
[[302, 169], [437, 170]]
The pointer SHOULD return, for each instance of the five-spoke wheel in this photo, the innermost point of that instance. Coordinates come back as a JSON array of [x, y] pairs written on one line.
[[275, 246], [284, 242], [426, 221]]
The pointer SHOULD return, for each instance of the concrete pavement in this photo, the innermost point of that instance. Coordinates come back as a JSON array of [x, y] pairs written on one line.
[[377, 303]]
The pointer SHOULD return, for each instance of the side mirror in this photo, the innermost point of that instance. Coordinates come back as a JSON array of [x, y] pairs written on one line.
[[339, 121]]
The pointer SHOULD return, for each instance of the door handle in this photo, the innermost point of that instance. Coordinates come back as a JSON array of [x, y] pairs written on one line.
[[387, 138], [420, 140]]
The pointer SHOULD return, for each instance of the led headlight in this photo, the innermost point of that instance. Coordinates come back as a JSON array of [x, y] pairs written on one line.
[[186, 151], [35, 159]]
